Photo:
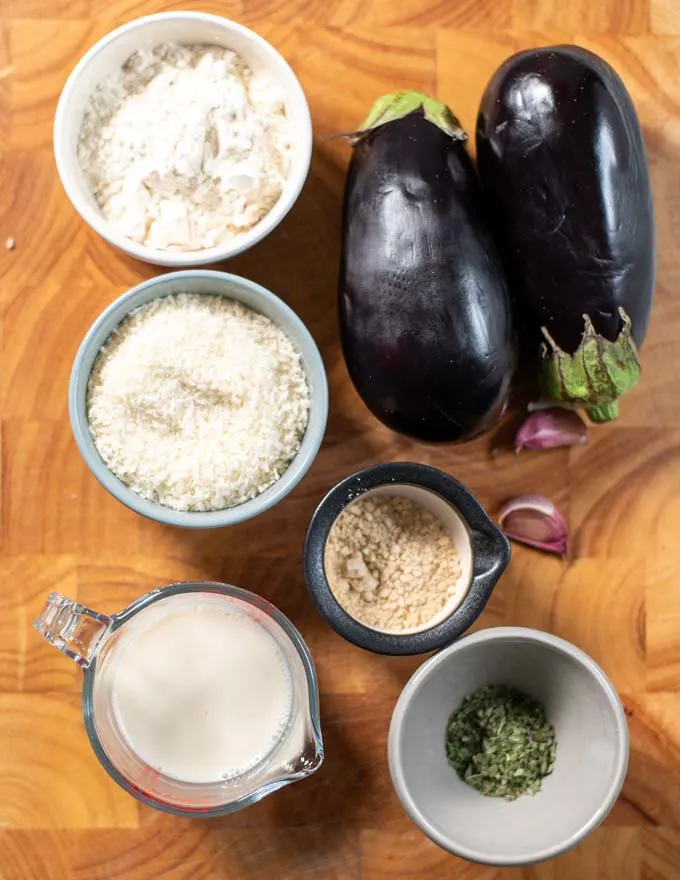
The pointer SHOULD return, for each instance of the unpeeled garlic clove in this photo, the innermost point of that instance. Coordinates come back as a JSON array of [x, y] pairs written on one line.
[[535, 521], [550, 428]]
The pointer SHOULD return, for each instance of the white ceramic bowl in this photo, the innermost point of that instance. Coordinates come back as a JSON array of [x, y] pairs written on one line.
[[109, 54], [592, 748], [255, 297]]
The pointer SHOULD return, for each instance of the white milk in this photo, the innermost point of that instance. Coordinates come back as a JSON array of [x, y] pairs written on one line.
[[201, 692]]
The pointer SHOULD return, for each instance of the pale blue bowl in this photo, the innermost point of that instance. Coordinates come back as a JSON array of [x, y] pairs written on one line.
[[255, 297]]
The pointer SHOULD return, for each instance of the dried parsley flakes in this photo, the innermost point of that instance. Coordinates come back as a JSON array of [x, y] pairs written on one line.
[[500, 742]]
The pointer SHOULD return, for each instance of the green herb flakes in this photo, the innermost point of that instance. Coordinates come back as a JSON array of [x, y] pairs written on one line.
[[500, 742]]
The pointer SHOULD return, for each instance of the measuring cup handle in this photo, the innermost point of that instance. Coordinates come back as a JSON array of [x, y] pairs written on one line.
[[73, 629]]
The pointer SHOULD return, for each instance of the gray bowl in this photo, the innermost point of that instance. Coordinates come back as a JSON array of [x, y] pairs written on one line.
[[255, 297], [592, 748]]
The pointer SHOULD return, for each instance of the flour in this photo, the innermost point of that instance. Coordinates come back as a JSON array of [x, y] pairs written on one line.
[[197, 402], [185, 148]]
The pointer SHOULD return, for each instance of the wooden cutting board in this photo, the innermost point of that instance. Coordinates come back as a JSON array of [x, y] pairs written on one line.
[[60, 815]]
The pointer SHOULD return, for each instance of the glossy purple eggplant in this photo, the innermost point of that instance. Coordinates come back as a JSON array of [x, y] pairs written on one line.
[[562, 162], [425, 315]]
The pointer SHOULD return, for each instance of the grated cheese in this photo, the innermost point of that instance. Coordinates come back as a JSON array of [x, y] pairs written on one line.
[[390, 563], [197, 402]]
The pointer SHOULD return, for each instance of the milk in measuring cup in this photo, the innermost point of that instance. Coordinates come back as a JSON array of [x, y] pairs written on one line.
[[200, 691]]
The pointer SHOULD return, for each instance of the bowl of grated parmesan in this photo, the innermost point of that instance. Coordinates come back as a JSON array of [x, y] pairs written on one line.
[[198, 399], [182, 138], [401, 558]]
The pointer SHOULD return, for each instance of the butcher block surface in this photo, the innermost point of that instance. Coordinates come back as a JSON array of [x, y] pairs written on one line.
[[61, 817]]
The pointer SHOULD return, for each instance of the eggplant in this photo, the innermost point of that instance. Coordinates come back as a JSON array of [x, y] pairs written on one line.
[[425, 316], [562, 164]]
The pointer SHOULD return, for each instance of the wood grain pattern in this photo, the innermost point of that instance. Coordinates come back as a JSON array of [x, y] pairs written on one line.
[[61, 818]]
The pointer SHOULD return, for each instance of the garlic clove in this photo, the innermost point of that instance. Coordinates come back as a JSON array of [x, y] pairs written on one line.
[[550, 428], [535, 521]]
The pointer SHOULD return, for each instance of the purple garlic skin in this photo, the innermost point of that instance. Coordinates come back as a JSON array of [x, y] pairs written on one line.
[[551, 428], [535, 521]]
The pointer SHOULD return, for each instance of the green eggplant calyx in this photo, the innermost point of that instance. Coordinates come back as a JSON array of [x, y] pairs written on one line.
[[608, 412], [596, 374], [396, 105]]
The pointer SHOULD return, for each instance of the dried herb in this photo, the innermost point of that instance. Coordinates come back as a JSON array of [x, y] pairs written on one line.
[[500, 742]]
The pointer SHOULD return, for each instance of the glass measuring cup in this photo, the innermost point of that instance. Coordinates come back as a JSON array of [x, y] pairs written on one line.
[[96, 642]]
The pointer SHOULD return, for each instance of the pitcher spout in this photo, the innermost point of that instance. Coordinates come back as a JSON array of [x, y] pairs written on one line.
[[309, 760]]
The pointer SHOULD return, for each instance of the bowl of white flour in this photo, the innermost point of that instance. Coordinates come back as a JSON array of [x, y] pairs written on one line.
[[198, 399], [182, 138]]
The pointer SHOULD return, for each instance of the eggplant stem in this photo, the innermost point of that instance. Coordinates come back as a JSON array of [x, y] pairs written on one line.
[[596, 374], [396, 105], [609, 412]]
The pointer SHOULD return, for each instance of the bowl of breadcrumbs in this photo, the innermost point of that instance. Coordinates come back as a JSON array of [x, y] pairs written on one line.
[[401, 558], [198, 399]]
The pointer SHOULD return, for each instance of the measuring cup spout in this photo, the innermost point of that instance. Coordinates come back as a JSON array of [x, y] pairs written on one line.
[[73, 629], [310, 752], [303, 755], [310, 760]]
